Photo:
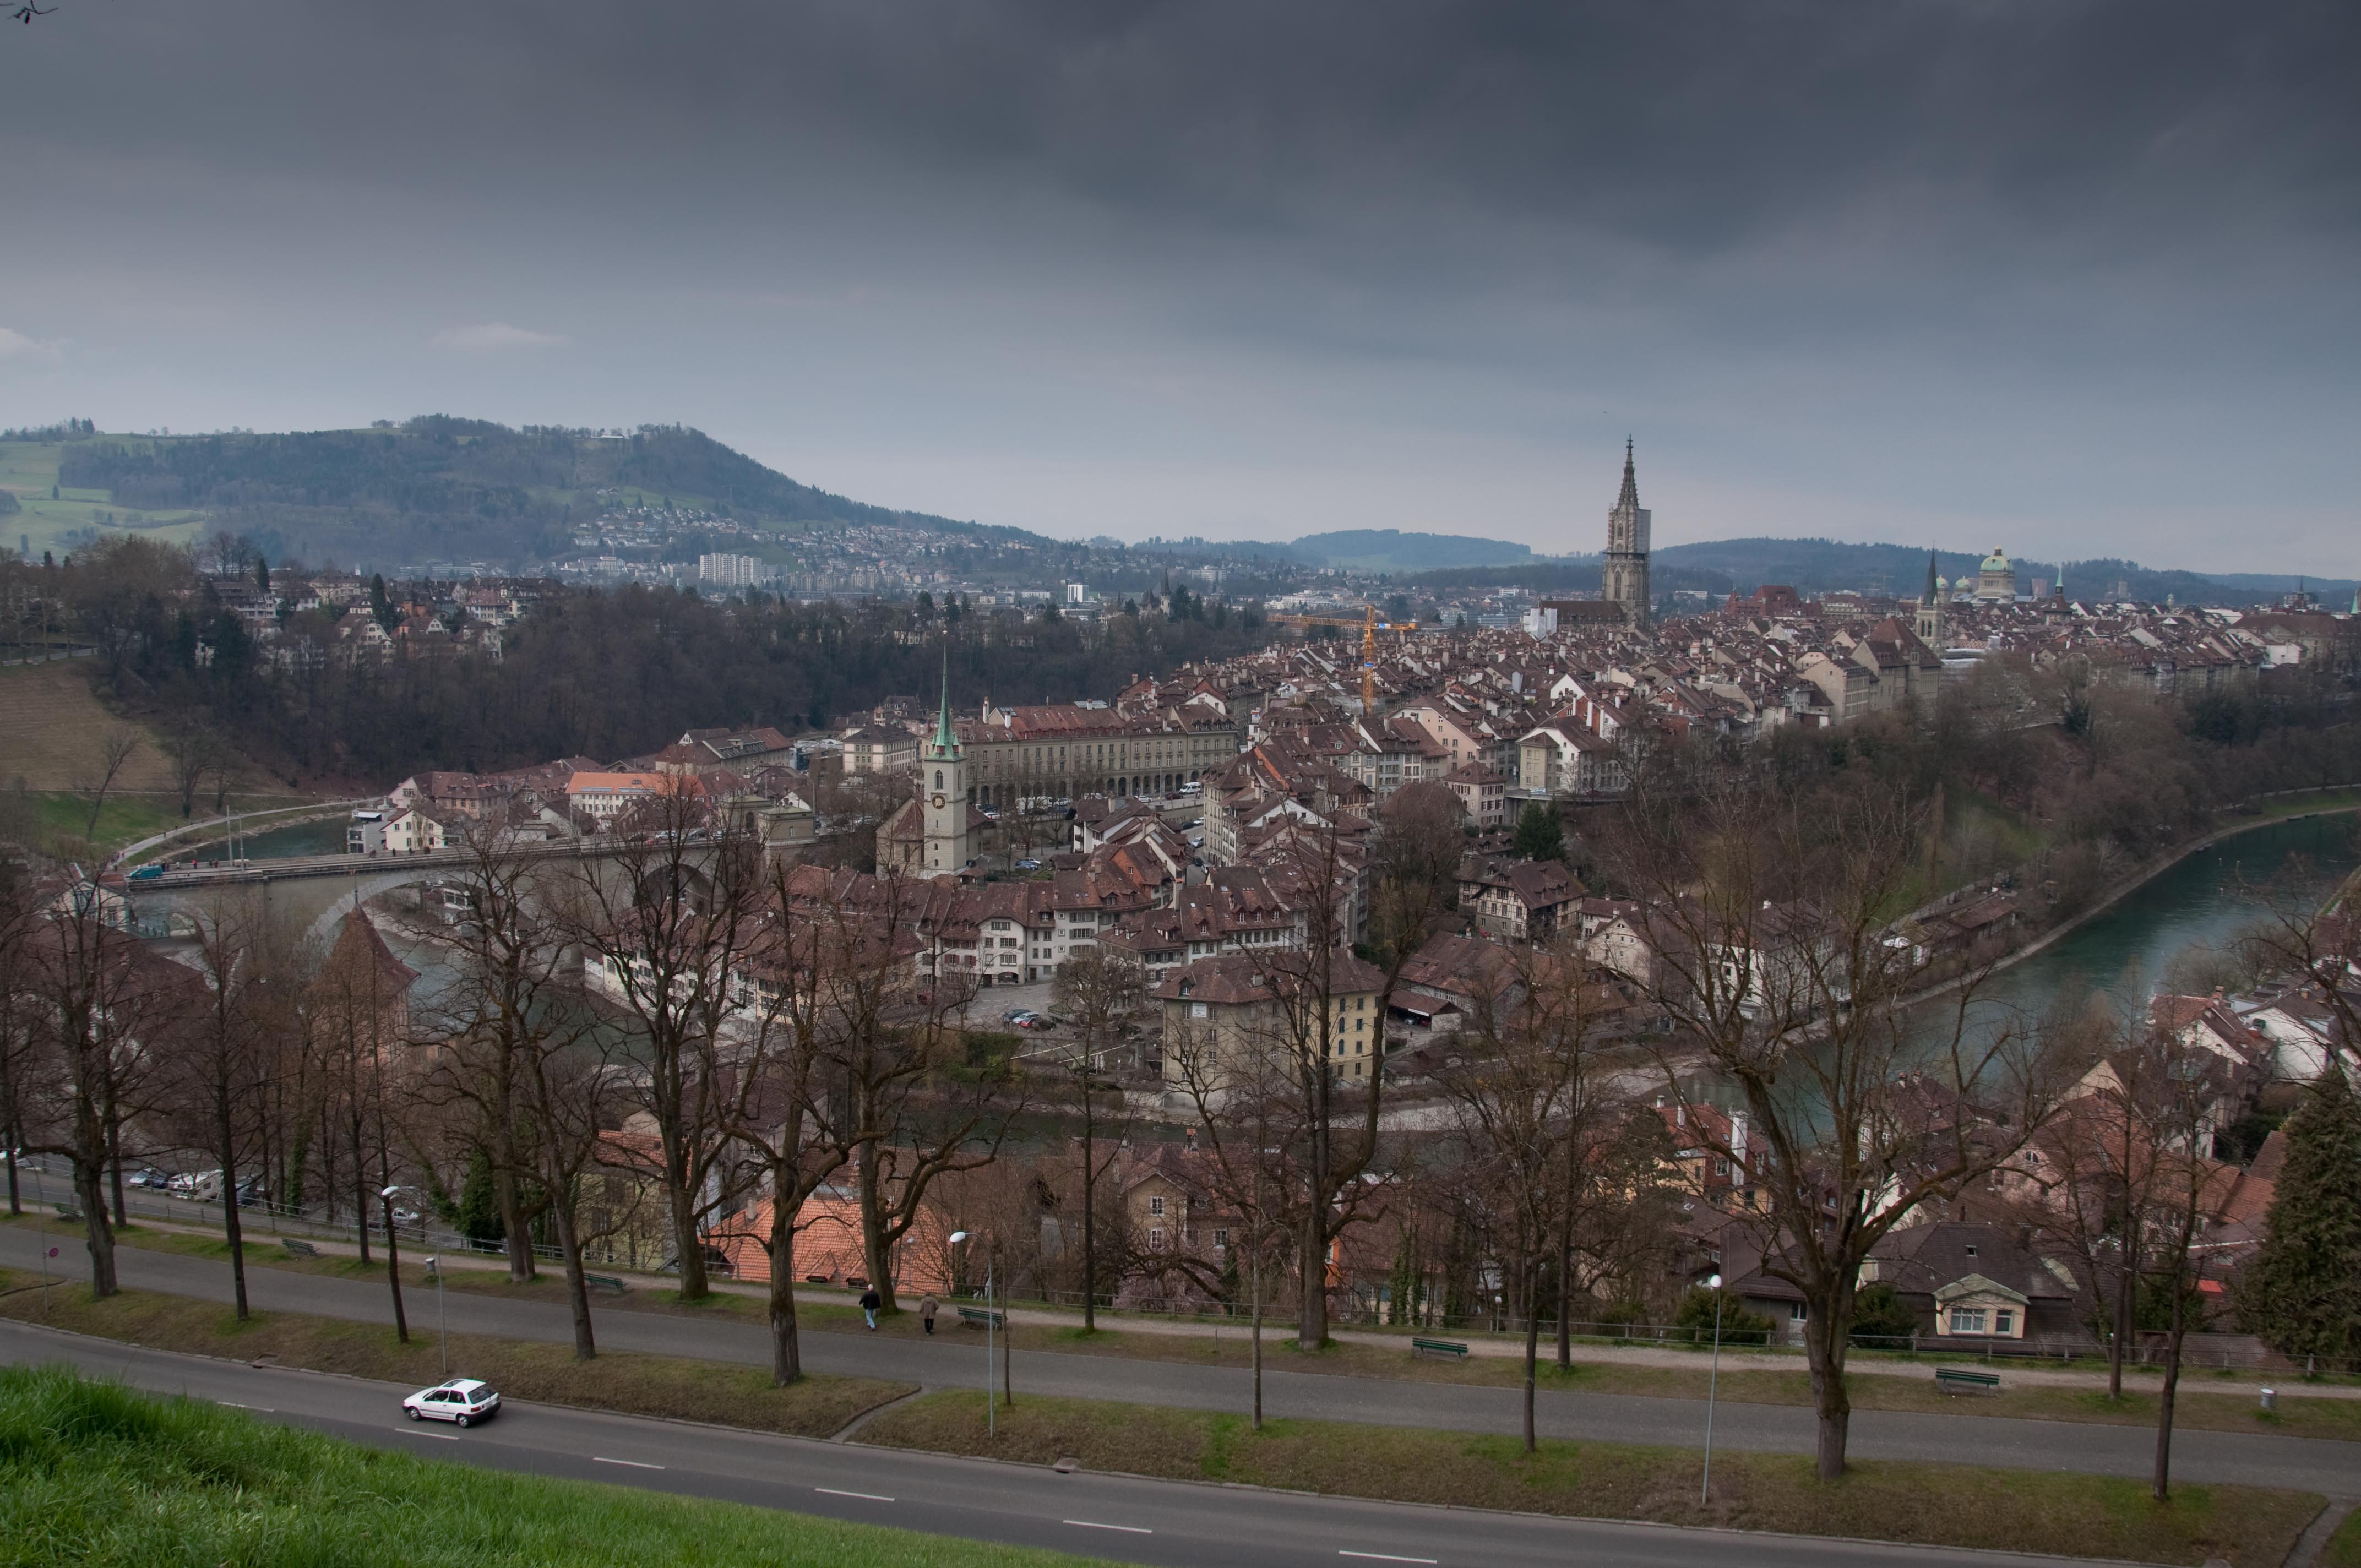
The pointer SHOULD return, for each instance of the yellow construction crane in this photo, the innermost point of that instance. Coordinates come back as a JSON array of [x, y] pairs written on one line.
[[1369, 626]]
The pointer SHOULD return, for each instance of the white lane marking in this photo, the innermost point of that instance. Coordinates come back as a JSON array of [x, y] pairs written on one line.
[[867, 1496], [442, 1436], [1387, 1557], [234, 1405], [602, 1459], [1093, 1524]]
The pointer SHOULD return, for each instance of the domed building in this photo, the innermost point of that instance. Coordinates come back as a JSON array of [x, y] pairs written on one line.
[[1996, 579]]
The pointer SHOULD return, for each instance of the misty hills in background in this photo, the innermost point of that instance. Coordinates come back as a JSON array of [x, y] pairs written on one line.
[[439, 489]]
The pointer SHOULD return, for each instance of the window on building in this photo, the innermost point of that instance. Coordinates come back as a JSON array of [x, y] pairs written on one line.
[[2004, 1321], [1155, 1238], [1967, 1319], [1797, 1311], [1156, 1206], [1196, 1010]]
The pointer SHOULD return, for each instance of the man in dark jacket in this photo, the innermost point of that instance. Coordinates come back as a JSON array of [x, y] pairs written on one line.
[[870, 1303]]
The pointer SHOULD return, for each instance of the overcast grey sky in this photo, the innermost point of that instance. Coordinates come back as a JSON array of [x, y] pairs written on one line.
[[2073, 276]]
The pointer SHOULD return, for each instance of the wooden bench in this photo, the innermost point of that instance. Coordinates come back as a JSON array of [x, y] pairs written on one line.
[[1954, 1380], [1450, 1347], [298, 1249], [983, 1316], [604, 1282]]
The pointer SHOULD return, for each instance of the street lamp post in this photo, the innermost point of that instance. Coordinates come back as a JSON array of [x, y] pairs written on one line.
[[990, 1410], [393, 1265], [441, 1313], [1713, 1379]]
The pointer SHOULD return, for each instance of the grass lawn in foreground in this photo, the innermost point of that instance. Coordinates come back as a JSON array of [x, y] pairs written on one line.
[[2086, 1516], [2344, 1549], [721, 1392], [93, 1476]]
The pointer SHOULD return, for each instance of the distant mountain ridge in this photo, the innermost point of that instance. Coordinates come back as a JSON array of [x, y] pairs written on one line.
[[438, 488]]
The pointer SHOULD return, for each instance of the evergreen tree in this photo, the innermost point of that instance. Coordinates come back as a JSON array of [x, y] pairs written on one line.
[[2301, 1293], [261, 573], [1540, 836]]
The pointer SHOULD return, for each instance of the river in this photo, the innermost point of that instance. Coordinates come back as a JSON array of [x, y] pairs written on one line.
[[2203, 901]]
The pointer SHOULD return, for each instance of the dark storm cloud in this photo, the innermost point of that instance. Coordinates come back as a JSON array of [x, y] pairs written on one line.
[[1102, 247]]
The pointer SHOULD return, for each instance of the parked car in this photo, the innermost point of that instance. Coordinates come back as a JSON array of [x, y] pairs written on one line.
[[462, 1400], [148, 1176], [146, 874], [1029, 865], [1016, 1014], [1035, 1021]]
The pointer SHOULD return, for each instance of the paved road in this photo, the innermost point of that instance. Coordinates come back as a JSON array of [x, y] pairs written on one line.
[[1181, 1524], [956, 1359]]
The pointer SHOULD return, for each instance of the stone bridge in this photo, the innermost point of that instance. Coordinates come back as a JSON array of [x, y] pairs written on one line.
[[310, 895]]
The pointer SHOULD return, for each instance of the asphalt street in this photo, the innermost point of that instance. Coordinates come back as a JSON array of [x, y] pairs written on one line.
[[956, 1359], [1185, 1525]]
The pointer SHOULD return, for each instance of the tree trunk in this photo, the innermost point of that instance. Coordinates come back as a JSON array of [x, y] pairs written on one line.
[[2163, 1488], [873, 1251], [577, 1284], [1257, 1335], [687, 1245], [115, 1165], [2127, 1273], [1533, 1334], [787, 1341], [100, 1234], [361, 1192], [393, 1273], [1825, 1349], [225, 1151], [513, 1233], [1565, 1291], [1311, 1312], [1089, 1210]]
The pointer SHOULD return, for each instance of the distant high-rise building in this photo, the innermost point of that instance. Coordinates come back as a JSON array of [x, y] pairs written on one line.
[[731, 571], [1624, 579]]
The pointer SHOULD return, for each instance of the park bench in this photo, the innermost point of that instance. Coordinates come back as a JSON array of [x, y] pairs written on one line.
[[69, 1213], [1954, 1380], [983, 1316], [1450, 1347], [298, 1249], [604, 1282]]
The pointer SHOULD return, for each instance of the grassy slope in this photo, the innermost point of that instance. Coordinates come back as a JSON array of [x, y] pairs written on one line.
[[30, 468], [93, 1476], [1925, 1504], [2344, 1550], [634, 1384]]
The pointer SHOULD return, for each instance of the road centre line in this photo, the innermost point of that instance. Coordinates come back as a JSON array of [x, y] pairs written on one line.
[[602, 1459], [865, 1497], [437, 1436], [1386, 1557], [1093, 1524], [257, 1409]]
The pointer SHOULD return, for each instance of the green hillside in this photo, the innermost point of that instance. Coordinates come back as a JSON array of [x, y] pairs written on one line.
[[432, 488]]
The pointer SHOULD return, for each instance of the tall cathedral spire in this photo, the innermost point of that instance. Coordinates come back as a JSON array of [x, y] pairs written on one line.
[[1931, 594], [1623, 575], [946, 741]]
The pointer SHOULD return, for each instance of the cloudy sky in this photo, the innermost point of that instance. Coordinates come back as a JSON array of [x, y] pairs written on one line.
[[2075, 276]]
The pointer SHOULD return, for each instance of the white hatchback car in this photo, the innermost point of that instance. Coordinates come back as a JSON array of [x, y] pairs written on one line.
[[462, 1400]]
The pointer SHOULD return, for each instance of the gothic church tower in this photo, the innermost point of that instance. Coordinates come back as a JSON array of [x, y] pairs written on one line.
[[1927, 624], [942, 789], [1624, 579]]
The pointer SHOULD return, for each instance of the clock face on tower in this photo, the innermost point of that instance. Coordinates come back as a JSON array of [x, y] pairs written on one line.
[[938, 800]]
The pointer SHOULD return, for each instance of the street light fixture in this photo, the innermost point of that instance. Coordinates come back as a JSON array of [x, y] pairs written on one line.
[[991, 1410], [1713, 1379]]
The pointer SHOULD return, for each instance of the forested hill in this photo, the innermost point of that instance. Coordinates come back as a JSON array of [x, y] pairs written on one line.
[[439, 489]]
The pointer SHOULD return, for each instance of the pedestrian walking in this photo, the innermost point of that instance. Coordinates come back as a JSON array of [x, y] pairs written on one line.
[[927, 1308], [870, 1303]]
